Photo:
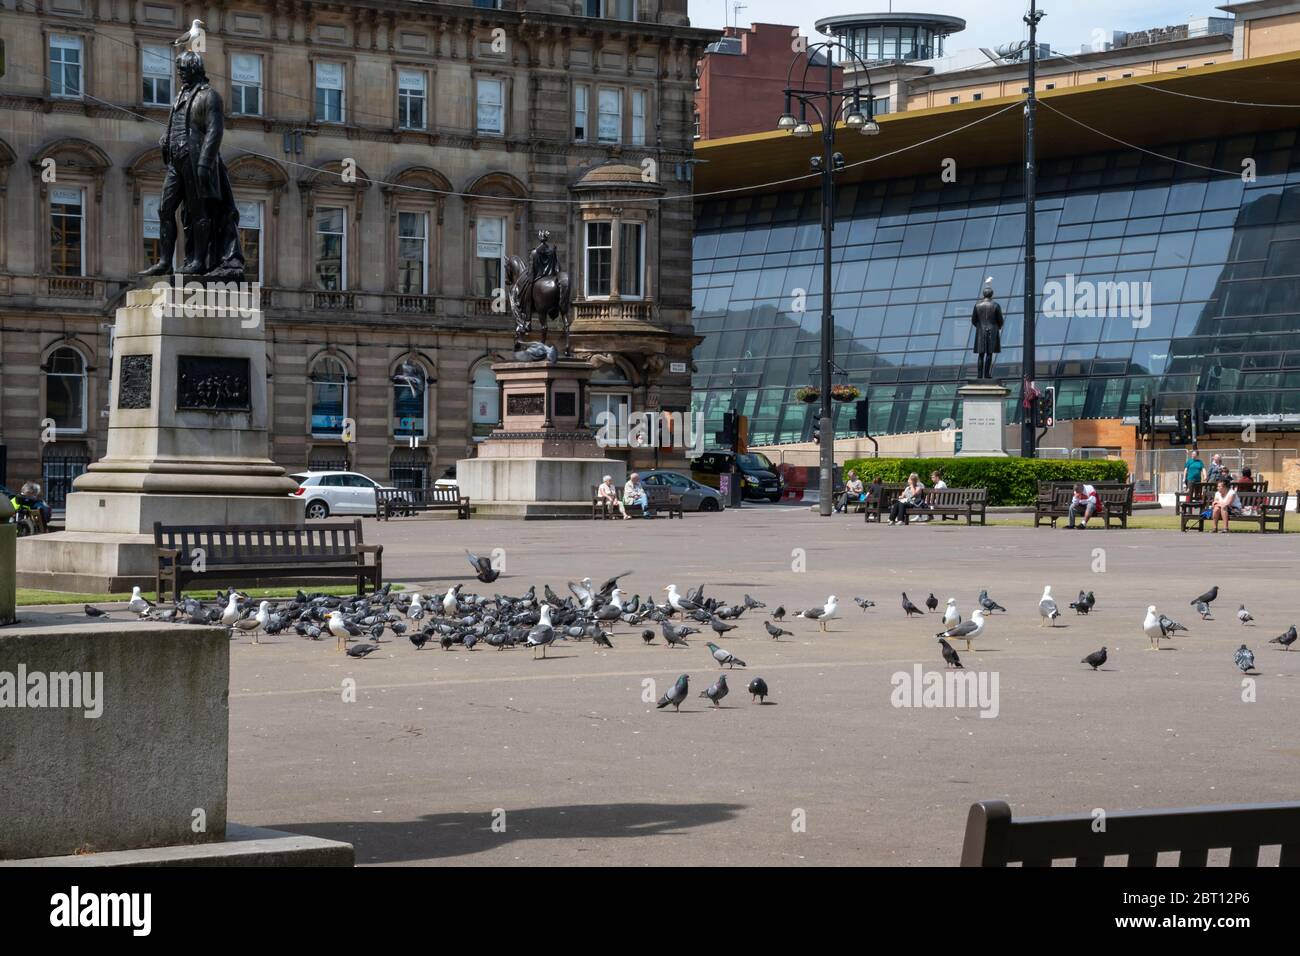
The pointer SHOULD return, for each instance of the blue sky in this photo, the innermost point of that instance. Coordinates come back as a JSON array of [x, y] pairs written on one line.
[[1068, 24]]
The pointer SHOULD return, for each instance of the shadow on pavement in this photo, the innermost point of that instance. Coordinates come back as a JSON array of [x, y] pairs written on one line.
[[443, 835]]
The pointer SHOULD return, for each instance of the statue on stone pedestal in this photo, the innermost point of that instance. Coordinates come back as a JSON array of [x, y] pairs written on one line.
[[538, 287], [197, 183], [986, 317]]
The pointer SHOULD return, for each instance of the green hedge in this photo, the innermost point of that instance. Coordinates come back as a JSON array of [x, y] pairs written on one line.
[[1010, 481]]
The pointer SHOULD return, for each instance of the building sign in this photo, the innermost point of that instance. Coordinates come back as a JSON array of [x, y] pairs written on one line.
[[677, 368]]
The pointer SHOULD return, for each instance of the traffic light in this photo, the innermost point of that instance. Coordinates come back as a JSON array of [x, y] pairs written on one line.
[[1202, 420], [1183, 431], [1146, 425], [860, 421], [1045, 408]]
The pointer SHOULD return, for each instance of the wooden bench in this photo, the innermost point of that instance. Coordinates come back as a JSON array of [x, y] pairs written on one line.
[[993, 838], [404, 502], [956, 503], [1262, 508], [1115, 500], [255, 555], [661, 499], [878, 503], [1199, 495]]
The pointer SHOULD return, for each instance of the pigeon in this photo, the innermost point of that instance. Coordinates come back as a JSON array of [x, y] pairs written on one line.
[[717, 691], [1285, 639], [758, 690], [779, 614], [1203, 609], [863, 603], [1244, 616], [949, 655], [1206, 598], [724, 656], [536, 352], [483, 569], [1244, 659], [677, 635], [719, 626], [775, 631], [601, 639], [95, 612], [989, 604], [932, 602], [361, 650], [138, 604], [967, 631], [750, 603], [419, 639], [951, 616], [908, 607], [187, 38], [1047, 608], [446, 642], [677, 694], [1081, 606], [829, 611], [1095, 659], [648, 636], [1157, 626]]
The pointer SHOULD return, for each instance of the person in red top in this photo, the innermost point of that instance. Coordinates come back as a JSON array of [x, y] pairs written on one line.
[[1085, 502]]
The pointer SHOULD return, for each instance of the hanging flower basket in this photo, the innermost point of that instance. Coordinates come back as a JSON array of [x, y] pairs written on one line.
[[845, 393], [809, 395]]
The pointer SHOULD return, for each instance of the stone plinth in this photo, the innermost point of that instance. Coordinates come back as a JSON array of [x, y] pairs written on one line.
[[127, 765], [187, 444], [543, 460], [982, 414]]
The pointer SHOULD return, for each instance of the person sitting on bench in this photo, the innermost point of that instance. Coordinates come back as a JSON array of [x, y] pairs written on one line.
[[853, 491], [912, 496], [1085, 502], [634, 493], [608, 495]]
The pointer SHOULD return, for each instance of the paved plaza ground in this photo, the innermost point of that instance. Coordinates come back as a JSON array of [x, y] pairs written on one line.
[[588, 773]]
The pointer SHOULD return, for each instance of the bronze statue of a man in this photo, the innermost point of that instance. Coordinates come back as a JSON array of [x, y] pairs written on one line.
[[986, 317], [197, 182], [542, 261]]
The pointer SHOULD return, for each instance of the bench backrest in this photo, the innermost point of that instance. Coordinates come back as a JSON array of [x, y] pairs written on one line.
[[948, 497], [1270, 500], [221, 545], [994, 839], [431, 495]]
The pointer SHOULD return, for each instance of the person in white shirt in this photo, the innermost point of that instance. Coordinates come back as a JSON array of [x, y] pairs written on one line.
[[1085, 502], [936, 482], [1224, 500], [634, 493], [609, 495]]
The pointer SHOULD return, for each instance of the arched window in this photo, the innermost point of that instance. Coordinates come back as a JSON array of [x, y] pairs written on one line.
[[65, 390], [485, 402], [610, 389], [329, 397], [410, 401]]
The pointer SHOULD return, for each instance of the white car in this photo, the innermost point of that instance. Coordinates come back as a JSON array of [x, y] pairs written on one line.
[[337, 493]]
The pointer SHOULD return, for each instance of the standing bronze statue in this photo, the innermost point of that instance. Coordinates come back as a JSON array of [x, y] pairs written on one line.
[[197, 182], [986, 317], [538, 287]]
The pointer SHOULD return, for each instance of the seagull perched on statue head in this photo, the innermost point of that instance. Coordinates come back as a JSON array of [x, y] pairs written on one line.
[[186, 39]]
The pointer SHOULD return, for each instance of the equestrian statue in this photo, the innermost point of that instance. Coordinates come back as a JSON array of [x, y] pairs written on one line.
[[538, 287]]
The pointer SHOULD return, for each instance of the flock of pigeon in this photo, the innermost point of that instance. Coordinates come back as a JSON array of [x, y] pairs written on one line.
[[590, 613]]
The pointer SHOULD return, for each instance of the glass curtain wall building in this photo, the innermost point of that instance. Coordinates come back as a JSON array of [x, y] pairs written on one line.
[[1218, 325]]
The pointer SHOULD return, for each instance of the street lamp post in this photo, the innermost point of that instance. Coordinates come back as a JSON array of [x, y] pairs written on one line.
[[1028, 437], [829, 111]]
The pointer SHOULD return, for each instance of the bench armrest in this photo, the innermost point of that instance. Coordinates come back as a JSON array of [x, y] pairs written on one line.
[[370, 548]]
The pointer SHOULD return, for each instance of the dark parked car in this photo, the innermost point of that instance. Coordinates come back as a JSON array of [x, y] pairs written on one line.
[[758, 476]]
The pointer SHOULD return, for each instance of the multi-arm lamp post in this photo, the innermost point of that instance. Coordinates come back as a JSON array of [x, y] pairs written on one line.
[[850, 106]]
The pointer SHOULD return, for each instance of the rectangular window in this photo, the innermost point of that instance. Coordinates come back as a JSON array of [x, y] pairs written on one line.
[[246, 84], [67, 233], [631, 260], [410, 99], [250, 235], [329, 93], [490, 101], [1126, 76], [609, 119], [580, 114], [891, 43], [598, 274], [412, 253], [331, 248], [152, 228], [977, 96], [1051, 86], [612, 9], [954, 99], [156, 67], [65, 66], [638, 117], [489, 255]]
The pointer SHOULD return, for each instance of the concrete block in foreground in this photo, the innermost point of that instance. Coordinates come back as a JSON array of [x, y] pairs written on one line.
[[243, 846]]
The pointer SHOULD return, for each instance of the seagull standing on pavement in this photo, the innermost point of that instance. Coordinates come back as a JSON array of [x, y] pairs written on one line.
[[137, 603], [1047, 608], [1158, 627], [827, 612], [951, 616], [967, 631]]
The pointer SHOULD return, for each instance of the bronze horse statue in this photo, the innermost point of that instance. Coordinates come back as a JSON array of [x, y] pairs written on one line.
[[548, 297]]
